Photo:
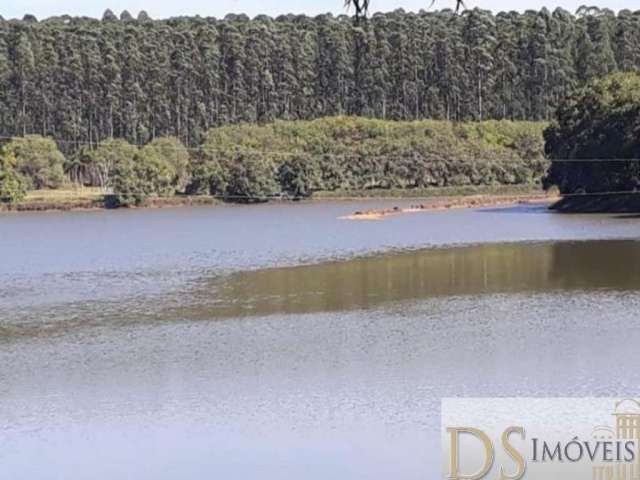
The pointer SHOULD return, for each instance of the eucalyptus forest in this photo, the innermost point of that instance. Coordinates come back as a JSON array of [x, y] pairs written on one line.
[[84, 80], [154, 107]]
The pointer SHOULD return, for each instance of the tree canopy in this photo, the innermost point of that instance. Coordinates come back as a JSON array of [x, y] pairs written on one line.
[[13, 186], [147, 173], [595, 139], [82, 80], [355, 154], [250, 162], [37, 159], [30, 162]]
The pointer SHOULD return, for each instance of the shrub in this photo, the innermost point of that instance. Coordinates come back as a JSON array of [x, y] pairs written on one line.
[[176, 156], [13, 186], [108, 155], [38, 160], [251, 178], [145, 174], [358, 153]]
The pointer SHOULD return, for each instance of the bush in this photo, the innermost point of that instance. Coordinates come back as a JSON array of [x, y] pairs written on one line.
[[108, 155], [300, 175], [249, 162], [357, 153], [38, 160], [13, 186], [174, 153], [237, 177], [251, 178], [142, 175], [208, 176]]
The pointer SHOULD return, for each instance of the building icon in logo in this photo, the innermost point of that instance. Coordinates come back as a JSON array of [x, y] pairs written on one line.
[[627, 415]]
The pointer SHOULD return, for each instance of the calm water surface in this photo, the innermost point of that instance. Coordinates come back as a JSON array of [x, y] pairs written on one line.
[[278, 342]]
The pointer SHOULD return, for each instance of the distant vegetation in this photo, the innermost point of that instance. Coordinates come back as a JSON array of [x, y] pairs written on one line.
[[256, 162], [82, 80], [347, 153], [597, 138]]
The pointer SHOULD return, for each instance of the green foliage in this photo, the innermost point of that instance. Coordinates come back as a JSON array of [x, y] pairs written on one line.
[[209, 177], [234, 176], [107, 156], [350, 153], [599, 121], [38, 160], [13, 186], [145, 174], [252, 178], [248, 162], [300, 175], [83, 80], [174, 153]]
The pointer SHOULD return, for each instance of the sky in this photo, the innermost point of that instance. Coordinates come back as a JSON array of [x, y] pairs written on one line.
[[219, 8]]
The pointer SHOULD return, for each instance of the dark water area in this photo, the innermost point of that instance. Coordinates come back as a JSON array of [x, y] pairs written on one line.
[[368, 282], [279, 342]]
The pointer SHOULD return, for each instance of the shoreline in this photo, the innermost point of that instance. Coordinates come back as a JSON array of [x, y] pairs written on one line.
[[620, 203], [429, 200], [454, 203], [95, 204]]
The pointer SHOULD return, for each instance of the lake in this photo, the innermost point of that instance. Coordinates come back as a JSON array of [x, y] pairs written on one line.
[[278, 342]]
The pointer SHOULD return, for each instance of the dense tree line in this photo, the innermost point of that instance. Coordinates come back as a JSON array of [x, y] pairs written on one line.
[[594, 143], [129, 173], [299, 158], [250, 162], [85, 80]]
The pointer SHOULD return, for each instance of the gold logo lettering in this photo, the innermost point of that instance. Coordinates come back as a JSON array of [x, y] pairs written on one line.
[[454, 471]]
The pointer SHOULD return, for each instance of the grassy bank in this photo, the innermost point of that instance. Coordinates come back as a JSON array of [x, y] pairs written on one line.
[[95, 199], [67, 199]]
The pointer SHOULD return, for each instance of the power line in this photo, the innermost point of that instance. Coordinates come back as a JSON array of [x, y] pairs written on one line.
[[514, 197], [409, 156], [276, 153], [254, 151]]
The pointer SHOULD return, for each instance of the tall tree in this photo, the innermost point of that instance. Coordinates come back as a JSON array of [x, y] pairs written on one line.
[[83, 80]]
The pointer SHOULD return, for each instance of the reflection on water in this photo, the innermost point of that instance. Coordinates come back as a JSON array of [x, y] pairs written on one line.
[[360, 283], [371, 281]]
